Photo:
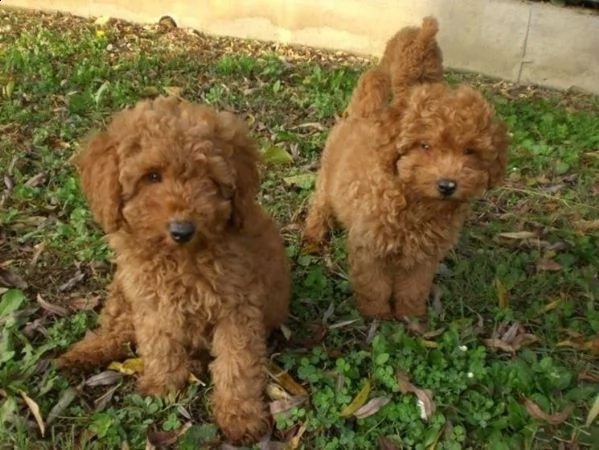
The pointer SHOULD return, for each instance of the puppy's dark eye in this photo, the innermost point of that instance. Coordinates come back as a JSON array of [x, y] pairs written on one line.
[[469, 151], [153, 177], [425, 146]]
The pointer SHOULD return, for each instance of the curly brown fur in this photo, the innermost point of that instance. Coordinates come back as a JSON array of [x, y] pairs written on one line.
[[387, 176], [412, 56], [178, 293]]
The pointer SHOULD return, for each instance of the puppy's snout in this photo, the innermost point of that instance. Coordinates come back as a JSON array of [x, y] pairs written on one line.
[[181, 231], [446, 186]]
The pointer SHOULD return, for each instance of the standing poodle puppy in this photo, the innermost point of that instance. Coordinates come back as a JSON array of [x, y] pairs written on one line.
[[400, 174], [200, 265]]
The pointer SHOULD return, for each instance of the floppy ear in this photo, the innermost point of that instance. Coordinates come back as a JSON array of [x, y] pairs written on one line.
[[97, 166], [500, 141], [244, 158]]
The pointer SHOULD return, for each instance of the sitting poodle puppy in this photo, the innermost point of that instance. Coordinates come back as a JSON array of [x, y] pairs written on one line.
[[399, 175], [200, 265]]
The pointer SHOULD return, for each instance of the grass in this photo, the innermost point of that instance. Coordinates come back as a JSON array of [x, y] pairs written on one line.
[[507, 358]]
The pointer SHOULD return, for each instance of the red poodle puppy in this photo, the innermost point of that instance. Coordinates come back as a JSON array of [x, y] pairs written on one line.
[[400, 170], [200, 265]]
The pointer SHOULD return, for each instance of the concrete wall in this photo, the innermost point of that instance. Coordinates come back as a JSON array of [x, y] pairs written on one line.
[[515, 40]]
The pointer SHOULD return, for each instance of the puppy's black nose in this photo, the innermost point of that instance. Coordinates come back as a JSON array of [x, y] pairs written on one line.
[[181, 231], [446, 186]]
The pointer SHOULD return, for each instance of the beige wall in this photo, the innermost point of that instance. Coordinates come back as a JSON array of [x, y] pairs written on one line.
[[518, 41]]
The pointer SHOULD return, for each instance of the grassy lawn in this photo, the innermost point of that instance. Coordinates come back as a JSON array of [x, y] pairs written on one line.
[[507, 359]]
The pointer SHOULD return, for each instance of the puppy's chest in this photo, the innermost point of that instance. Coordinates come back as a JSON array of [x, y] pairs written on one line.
[[186, 296], [416, 234]]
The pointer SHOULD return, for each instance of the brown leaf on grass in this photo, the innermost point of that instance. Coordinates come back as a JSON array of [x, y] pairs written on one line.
[[593, 412], [518, 235], [175, 91], [102, 402], [161, 438], [502, 294], [386, 444], [588, 376], [128, 367], [295, 441], [276, 392], [425, 397], [36, 180], [285, 380], [106, 378], [84, 304], [35, 410], [314, 125], [72, 282], [10, 279], [498, 344], [593, 345], [372, 407], [358, 400], [414, 325], [51, 308], [548, 265], [554, 419], [285, 404], [523, 340], [66, 398]]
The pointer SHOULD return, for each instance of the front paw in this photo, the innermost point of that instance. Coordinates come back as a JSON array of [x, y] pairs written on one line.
[[243, 425], [161, 386]]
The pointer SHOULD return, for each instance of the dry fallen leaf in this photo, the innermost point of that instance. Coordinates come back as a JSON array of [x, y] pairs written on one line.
[[589, 376], [85, 304], [548, 265], [285, 404], [372, 407], [502, 294], [72, 282], [386, 444], [425, 397], [593, 412], [35, 410], [295, 441], [496, 343], [537, 413], [162, 438], [276, 392], [106, 378], [51, 308], [10, 279], [66, 398], [101, 403], [358, 401], [285, 380], [128, 367], [592, 345], [551, 306], [175, 91], [518, 235]]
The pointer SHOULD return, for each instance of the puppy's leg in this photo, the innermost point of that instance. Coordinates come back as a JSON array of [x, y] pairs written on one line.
[[166, 362], [239, 347], [371, 280], [411, 289], [109, 343], [319, 213]]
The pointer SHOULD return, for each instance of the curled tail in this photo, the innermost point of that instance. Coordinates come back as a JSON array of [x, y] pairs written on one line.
[[371, 93], [412, 56]]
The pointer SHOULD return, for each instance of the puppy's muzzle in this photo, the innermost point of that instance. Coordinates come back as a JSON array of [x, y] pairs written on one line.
[[181, 231]]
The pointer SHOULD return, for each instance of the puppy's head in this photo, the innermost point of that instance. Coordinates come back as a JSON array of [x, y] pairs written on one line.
[[170, 173], [451, 145]]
